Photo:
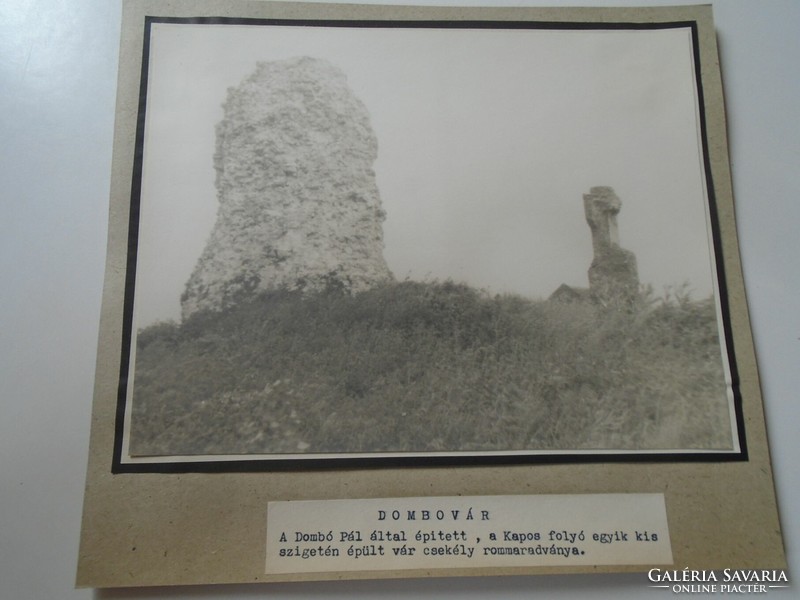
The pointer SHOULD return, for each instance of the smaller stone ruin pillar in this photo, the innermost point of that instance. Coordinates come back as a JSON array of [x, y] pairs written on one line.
[[613, 276]]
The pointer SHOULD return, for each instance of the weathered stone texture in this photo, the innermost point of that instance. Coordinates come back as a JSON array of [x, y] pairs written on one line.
[[613, 275], [298, 202]]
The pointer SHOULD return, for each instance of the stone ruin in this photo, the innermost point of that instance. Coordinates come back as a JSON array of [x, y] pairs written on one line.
[[613, 276], [299, 207]]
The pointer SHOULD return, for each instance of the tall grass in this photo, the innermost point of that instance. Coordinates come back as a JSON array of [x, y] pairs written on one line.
[[413, 366]]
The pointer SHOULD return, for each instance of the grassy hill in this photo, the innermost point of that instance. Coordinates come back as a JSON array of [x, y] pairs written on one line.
[[430, 367]]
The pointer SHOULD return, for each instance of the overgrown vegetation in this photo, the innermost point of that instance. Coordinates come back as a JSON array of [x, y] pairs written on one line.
[[430, 367]]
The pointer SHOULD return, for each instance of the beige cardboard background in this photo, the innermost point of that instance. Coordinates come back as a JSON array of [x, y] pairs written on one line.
[[151, 529]]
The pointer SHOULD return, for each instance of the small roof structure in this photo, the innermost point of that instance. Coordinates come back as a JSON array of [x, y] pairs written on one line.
[[567, 293]]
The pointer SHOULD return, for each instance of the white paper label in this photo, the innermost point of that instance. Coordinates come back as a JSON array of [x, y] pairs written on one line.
[[467, 532]]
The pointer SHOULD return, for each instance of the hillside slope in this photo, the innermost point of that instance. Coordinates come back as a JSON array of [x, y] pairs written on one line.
[[429, 367]]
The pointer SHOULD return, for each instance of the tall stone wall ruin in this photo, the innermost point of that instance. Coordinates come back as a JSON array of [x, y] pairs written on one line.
[[613, 275], [299, 206]]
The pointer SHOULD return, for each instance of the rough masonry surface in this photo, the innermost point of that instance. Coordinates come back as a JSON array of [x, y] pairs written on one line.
[[299, 206], [613, 275]]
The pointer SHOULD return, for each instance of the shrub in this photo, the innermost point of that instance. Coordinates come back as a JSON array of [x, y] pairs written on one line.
[[430, 366]]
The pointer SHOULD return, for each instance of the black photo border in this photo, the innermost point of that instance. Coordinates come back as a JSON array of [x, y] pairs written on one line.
[[396, 460]]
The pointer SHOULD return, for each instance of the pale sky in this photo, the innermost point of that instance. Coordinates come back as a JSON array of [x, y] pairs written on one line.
[[488, 140]]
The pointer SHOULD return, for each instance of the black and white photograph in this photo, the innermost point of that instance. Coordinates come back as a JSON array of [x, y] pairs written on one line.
[[451, 299], [423, 240]]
